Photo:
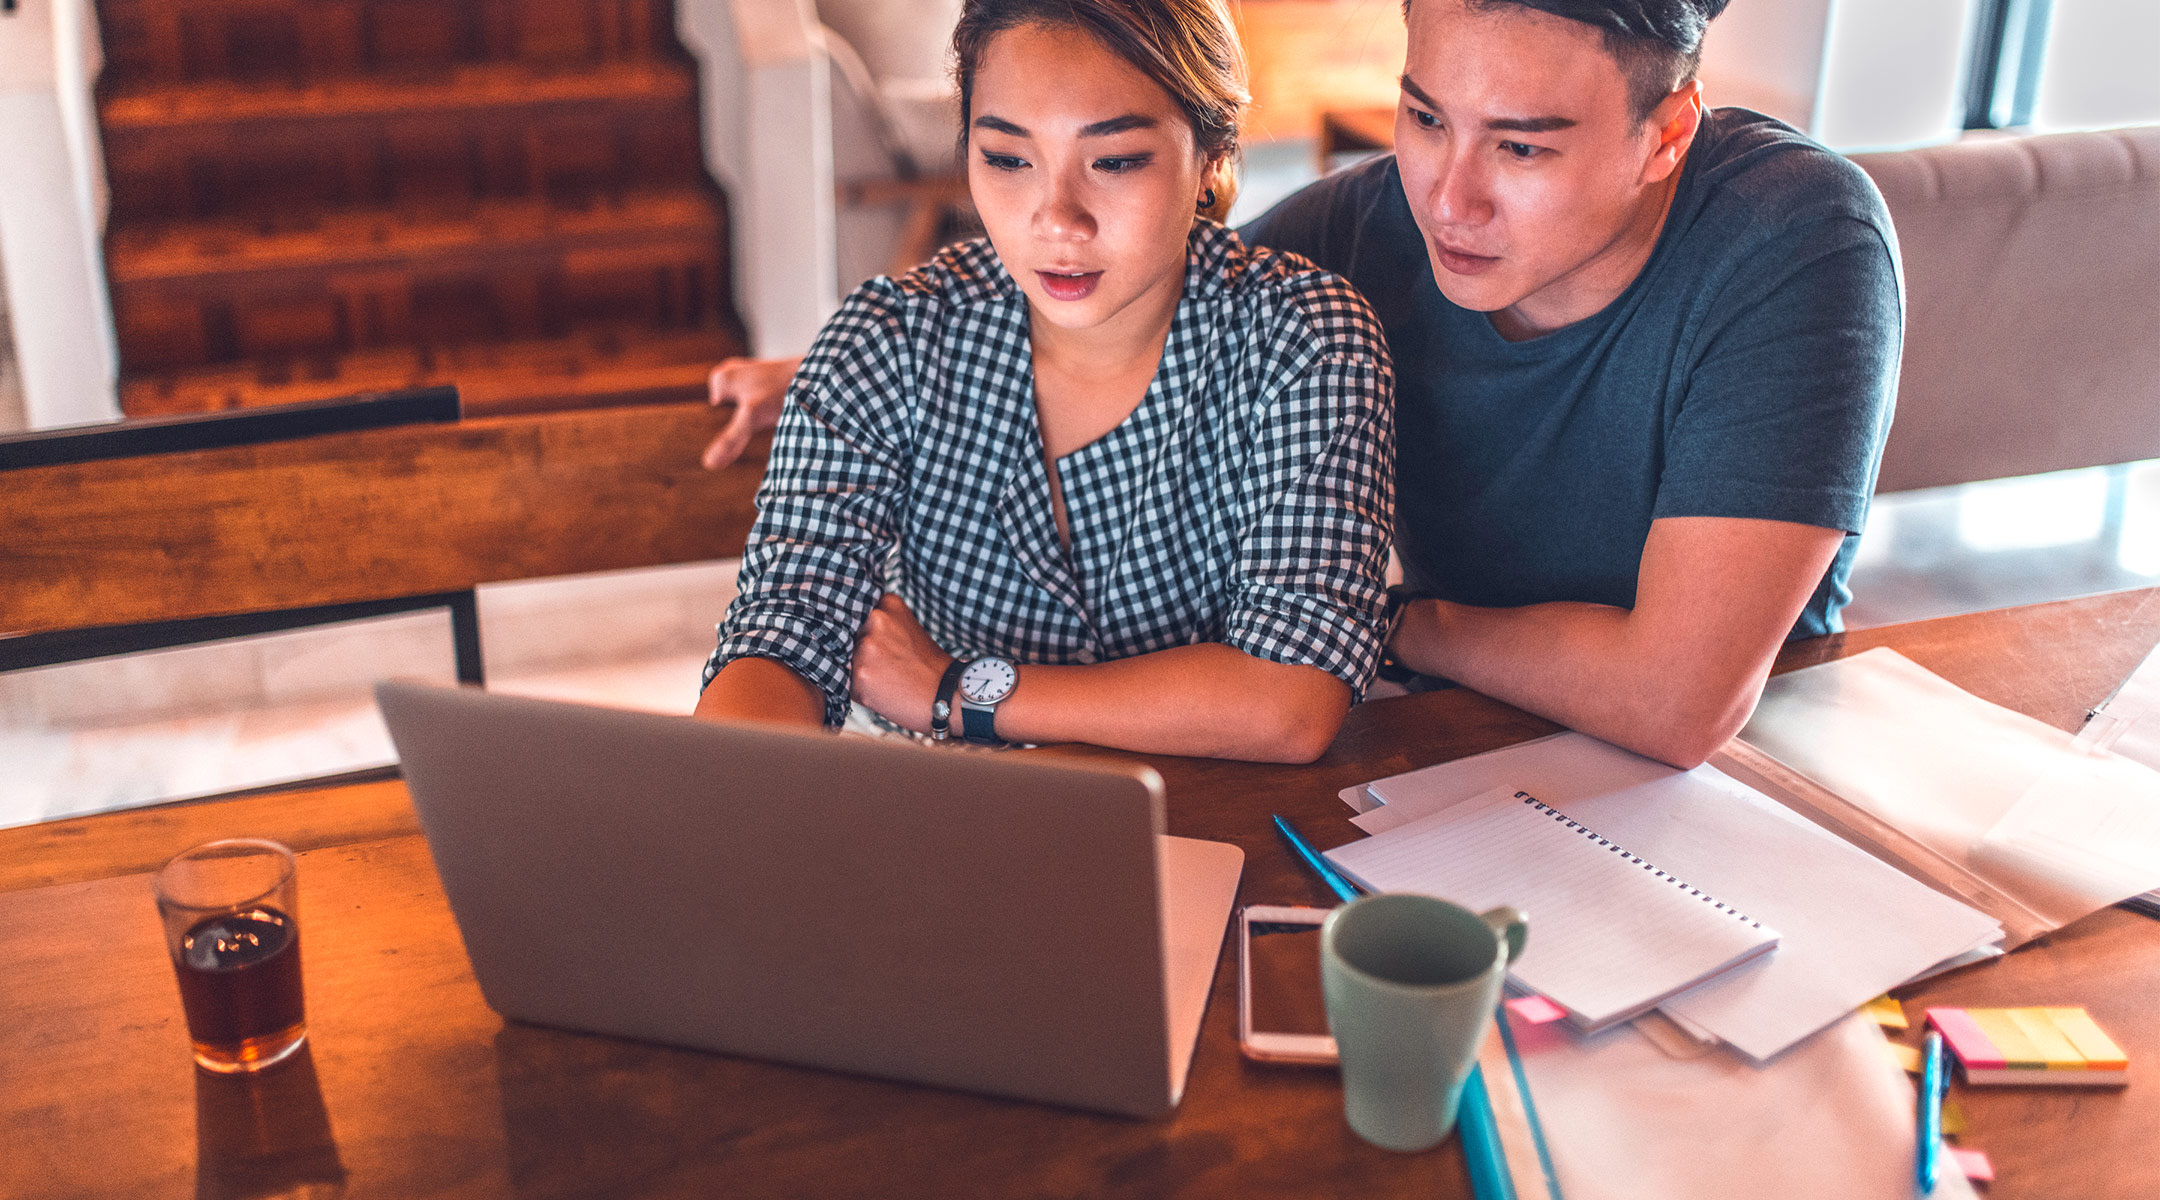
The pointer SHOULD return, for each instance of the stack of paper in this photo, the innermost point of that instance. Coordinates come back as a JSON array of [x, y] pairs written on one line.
[[2129, 724], [1612, 934], [1851, 926]]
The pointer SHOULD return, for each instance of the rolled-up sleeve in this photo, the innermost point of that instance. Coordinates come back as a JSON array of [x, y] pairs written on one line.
[[1311, 568], [831, 506]]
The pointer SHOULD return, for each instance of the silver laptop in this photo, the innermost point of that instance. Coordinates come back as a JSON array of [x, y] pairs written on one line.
[[1001, 923]]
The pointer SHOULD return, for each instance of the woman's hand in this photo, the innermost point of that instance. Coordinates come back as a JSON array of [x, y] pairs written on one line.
[[756, 386], [897, 666]]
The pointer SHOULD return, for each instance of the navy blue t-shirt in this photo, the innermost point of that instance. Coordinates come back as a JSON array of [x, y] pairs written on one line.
[[1747, 372]]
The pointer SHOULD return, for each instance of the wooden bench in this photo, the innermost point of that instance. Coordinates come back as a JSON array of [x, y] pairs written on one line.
[[159, 533]]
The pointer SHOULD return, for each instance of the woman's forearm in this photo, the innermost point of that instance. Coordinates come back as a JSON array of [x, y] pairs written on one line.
[[761, 691], [1210, 701]]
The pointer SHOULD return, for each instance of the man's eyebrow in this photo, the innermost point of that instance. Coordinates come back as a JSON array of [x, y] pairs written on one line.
[[1496, 124]]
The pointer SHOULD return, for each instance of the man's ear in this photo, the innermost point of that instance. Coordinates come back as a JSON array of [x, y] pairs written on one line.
[[1675, 121]]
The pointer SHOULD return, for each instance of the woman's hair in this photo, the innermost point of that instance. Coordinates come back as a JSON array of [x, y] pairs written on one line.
[[1189, 47]]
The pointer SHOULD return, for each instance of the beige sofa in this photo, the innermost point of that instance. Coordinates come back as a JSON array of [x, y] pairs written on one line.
[[2032, 276]]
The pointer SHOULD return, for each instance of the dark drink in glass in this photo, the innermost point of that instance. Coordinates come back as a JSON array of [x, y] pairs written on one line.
[[230, 921]]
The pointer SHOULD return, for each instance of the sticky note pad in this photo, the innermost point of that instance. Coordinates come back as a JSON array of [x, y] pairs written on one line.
[[1974, 1163], [2039, 1045], [1886, 1012], [1537, 1010]]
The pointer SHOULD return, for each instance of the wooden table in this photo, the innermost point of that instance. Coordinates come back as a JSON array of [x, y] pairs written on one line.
[[413, 1088]]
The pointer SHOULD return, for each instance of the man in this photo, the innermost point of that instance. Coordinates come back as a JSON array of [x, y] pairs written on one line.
[[1644, 364]]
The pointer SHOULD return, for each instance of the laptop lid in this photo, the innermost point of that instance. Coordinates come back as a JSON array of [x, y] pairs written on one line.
[[984, 921]]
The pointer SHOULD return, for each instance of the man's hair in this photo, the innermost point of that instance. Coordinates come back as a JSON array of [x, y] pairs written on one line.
[[1658, 43]]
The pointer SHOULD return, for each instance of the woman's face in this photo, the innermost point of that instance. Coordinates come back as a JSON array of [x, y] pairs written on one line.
[[1086, 174]]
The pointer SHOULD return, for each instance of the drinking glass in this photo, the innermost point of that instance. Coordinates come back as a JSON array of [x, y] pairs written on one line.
[[232, 923]]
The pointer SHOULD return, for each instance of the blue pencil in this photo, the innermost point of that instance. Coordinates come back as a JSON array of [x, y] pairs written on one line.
[[1932, 1083]]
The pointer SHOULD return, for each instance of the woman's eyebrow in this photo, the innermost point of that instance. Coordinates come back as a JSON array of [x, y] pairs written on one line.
[[999, 125], [1126, 123]]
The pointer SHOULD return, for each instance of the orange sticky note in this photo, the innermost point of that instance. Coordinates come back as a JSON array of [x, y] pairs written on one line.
[[1953, 1119], [1974, 1163], [1906, 1056], [1886, 1012]]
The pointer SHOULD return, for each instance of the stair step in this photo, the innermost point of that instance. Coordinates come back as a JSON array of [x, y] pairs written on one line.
[[225, 104], [220, 151], [209, 254], [591, 368], [167, 41], [199, 293]]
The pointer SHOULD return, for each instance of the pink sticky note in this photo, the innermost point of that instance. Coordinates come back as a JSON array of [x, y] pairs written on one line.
[[1537, 1010], [1974, 1163]]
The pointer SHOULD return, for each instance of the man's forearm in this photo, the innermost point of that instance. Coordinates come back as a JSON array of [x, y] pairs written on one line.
[[1589, 667]]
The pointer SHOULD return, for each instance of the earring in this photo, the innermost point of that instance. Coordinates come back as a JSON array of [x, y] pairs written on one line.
[[1207, 201]]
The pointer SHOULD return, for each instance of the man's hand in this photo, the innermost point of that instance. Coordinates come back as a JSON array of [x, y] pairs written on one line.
[[756, 386], [897, 666]]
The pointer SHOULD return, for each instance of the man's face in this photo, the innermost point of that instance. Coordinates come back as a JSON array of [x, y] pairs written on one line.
[[1536, 188]]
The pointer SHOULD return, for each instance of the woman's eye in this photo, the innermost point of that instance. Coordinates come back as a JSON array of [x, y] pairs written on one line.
[[1002, 162], [1518, 150], [1118, 166]]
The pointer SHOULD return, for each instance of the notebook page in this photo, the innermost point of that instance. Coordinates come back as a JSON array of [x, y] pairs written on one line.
[[1610, 936]]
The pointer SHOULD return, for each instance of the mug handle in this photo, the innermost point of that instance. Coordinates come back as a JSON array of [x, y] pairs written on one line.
[[1508, 922]]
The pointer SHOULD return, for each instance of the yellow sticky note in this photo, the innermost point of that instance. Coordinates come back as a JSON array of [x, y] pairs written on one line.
[[1953, 1118], [1907, 1057], [1886, 1012], [2099, 1050], [2055, 1049], [2017, 1050]]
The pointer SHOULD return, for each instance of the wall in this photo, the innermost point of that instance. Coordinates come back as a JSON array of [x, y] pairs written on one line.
[[759, 71], [52, 213], [1768, 57], [1892, 73], [12, 418]]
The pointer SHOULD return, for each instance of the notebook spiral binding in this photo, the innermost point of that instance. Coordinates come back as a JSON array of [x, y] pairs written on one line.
[[1658, 871]]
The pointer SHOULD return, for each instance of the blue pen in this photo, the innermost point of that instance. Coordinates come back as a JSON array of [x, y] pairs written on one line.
[[1474, 1115], [1344, 890], [1932, 1083]]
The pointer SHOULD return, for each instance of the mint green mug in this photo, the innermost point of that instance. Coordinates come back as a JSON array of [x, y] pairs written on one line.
[[1411, 983]]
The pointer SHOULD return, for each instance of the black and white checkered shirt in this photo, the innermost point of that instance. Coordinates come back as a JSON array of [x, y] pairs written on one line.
[[1245, 501]]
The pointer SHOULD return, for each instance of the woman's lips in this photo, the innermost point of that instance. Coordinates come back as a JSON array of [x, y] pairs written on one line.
[[1458, 263], [1066, 285]]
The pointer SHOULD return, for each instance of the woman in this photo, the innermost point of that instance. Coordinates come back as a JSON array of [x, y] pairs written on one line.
[[1124, 478]]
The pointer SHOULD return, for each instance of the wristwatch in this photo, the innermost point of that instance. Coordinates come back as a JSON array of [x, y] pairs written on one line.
[[984, 684], [1391, 668], [941, 707]]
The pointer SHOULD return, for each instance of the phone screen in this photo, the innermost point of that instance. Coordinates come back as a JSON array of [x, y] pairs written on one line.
[[1285, 964]]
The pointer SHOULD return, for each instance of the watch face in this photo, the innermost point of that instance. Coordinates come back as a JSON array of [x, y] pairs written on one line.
[[987, 680]]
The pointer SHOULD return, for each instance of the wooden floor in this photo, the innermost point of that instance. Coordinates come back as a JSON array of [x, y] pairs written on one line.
[[320, 197]]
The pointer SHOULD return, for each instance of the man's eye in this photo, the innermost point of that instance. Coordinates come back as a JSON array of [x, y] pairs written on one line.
[[1425, 119], [1518, 150], [1119, 166], [1002, 162]]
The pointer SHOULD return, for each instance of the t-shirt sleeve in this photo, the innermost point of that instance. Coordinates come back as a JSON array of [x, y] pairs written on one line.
[[1310, 582], [830, 508], [1305, 223], [1790, 394]]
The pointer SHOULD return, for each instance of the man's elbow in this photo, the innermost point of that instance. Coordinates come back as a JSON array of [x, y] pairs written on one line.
[[1692, 729]]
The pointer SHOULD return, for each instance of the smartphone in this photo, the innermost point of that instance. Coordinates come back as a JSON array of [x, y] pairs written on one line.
[[1282, 1017]]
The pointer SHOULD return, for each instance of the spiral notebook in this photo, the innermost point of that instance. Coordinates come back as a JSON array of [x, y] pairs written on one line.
[[1611, 935]]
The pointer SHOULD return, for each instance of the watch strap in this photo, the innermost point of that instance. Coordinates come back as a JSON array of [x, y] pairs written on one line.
[[979, 725], [942, 705]]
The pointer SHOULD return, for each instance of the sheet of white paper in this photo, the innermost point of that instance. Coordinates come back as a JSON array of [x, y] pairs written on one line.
[[1947, 767], [1853, 927], [1625, 1121]]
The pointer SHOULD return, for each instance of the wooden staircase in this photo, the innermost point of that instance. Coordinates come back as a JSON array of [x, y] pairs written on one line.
[[319, 197]]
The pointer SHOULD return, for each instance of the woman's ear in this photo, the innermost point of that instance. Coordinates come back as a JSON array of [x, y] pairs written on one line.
[[1218, 186]]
